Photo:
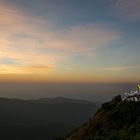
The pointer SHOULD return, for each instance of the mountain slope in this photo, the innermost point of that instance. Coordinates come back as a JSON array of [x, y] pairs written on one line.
[[115, 120], [60, 100], [41, 119]]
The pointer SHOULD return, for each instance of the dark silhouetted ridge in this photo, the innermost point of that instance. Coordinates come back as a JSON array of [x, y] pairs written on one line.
[[42, 119], [115, 120]]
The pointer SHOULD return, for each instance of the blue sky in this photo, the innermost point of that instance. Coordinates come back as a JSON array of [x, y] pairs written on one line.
[[70, 40]]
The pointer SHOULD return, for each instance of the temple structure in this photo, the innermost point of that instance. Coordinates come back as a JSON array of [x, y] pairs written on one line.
[[133, 95]]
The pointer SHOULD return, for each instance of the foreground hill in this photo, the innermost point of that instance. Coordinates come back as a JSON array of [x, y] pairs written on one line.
[[42, 119], [115, 120]]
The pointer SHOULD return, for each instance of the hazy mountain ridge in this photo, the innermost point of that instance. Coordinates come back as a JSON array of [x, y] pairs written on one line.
[[115, 120], [41, 119], [60, 100]]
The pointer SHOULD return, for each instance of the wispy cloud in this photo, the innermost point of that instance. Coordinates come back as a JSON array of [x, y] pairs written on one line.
[[28, 41], [82, 39], [127, 9], [119, 68], [36, 69]]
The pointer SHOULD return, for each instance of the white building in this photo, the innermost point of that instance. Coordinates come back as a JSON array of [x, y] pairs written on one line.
[[132, 96]]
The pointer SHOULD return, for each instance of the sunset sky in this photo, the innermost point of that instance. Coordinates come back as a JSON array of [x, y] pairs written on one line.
[[70, 40]]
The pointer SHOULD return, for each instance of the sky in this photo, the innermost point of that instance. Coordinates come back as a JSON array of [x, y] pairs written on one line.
[[70, 40]]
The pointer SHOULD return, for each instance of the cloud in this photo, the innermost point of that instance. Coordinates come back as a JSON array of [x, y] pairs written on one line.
[[21, 36], [35, 69], [120, 68], [39, 69], [34, 45], [128, 9], [15, 20], [82, 39]]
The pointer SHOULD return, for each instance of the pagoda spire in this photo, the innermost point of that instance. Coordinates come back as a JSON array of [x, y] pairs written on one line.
[[138, 87]]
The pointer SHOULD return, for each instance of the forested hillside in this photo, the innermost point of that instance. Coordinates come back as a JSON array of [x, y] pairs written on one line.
[[115, 120]]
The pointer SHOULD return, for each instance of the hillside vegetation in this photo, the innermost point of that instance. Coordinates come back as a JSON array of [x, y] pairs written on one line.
[[115, 120]]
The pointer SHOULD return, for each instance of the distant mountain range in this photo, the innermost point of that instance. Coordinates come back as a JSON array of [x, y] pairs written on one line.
[[42, 119], [60, 100], [115, 120]]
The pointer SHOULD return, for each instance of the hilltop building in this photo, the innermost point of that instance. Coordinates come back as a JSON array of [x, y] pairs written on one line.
[[132, 96]]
